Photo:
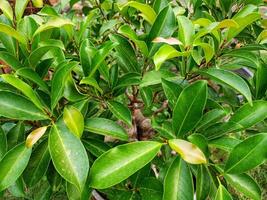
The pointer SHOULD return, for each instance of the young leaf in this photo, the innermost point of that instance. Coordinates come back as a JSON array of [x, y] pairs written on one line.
[[230, 79], [121, 162], [247, 154], [189, 107], [178, 182], [13, 164], [166, 52], [73, 119], [34, 136], [13, 33], [38, 164], [120, 111], [21, 109], [19, 8], [7, 9], [188, 151], [186, 30], [147, 12], [245, 184], [106, 127], [68, 155], [222, 194], [54, 22]]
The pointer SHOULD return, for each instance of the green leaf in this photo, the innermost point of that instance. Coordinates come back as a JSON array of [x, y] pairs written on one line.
[[100, 56], [40, 52], [230, 79], [202, 183], [188, 151], [19, 8], [120, 111], [210, 118], [17, 188], [146, 11], [189, 107], [125, 54], [24, 88], [245, 184], [31, 75], [186, 30], [247, 154], [151, 188], [208, 50], [129, 33], [73, 119], [92, 82], [243, 22], [10, 60], [96, 147], [38, 164], [247, 115], [59, 80], [13, 33], [86, 54], [172, 91], [121, 162], [178, 182], [260, 81], [21, 109], [224, 143], [16, 135], [154, 77], [106, 127], [164, 26], [166, 52], [13, 164], [7, 9], [222, 194], [68, 155], [54, 22], [3, 143]]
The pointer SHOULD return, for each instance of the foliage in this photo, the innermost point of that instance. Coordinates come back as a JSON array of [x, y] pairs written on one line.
[[132, 99]]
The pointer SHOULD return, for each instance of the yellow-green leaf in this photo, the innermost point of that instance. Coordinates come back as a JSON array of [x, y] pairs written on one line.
[[73, 119], [35, 135], [6, 8], [188, 151]]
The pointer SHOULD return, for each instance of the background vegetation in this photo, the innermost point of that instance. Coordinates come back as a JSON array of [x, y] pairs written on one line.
[[115, 99]]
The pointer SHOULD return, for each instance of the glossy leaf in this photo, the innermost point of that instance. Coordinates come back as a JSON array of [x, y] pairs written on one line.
[[146, 11], [188, 151], [247, 154], [106, 127], [55, 22], [13, 164], [186, 30], [68, 155], [121, 162], [58, 82], [38, 164], [120, 111], [245, 184], [230, 79], [7, 9], [21, 109], [13, 33], [178, 182], [166, 52], [222, 194], [189, 107], [24, 88], [73, 119], [10, 60], [3, 143], [19, 8]]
